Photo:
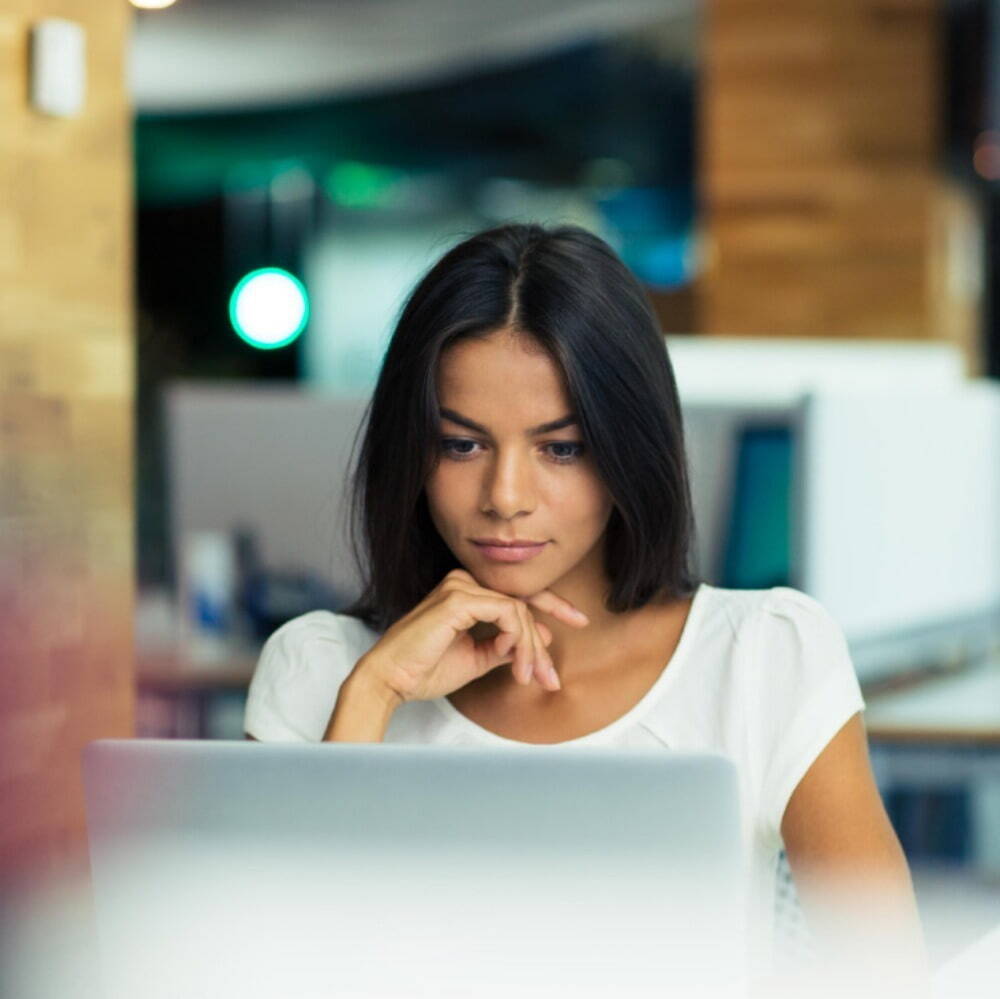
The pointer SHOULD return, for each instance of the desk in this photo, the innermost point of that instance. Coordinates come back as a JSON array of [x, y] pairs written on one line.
[[945, 731], [180, 697], [960, 706]]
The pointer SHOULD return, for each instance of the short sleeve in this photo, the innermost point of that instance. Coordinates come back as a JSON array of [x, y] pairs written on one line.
[[808, 690], [297, 678]]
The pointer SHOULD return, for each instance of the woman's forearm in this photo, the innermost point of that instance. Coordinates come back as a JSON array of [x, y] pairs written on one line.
[[363, 710]]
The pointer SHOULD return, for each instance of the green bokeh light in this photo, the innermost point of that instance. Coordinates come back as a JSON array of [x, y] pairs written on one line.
[[361, 185], [269, 308]]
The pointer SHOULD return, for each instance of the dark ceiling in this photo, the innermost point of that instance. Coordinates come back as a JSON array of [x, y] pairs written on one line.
[[542, 119]]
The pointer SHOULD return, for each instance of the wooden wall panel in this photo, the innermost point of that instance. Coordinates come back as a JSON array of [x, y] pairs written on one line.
[[819, 144], [66, 435]]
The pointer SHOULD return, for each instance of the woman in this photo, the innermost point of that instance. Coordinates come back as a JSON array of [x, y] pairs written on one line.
[[526, 397]]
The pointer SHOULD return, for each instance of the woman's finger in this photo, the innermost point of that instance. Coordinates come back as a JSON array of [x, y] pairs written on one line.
[[498, 610], [542, 661], [503, 643], [512, 641], [510, 624], [528, 644], [547, 601], [531, 658], [548, 676]]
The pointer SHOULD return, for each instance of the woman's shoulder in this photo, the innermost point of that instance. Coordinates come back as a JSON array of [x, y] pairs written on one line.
[[774, 635], [788, 644], [322, 626], [795, 615], [299, 672], [745, 611], [789, 600]]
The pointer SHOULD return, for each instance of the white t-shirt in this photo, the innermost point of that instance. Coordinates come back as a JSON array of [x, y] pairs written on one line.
[[763, 677]]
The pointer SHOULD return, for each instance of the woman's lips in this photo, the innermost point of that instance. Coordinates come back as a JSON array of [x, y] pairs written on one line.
[[510, 554]]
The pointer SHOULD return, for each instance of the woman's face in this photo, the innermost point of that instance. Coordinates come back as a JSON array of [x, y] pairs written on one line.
[[505, 481]]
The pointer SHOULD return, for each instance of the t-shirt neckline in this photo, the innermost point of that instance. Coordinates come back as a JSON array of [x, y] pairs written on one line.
[[667, 677]]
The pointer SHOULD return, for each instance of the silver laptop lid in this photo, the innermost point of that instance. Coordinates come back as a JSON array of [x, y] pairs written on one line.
[[248, 869]]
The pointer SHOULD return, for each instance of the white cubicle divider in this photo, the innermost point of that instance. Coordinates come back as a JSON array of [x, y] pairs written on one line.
[[269, 457], [728, 383], [898, 519], [778, 371]]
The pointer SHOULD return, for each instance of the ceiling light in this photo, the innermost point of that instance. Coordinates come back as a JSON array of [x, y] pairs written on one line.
[[151, 4]]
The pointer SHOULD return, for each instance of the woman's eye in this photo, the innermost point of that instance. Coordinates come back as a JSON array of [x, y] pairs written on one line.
[[575, 451], [448, 445], [451, 445]]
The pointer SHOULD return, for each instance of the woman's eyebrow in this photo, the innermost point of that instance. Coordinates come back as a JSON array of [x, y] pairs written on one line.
[[543, 428]]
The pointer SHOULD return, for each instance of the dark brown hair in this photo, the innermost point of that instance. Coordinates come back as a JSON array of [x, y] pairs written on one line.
[[569, 291]]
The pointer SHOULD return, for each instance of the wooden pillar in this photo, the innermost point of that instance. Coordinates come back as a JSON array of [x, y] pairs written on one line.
[[819, 150], [66, 479]]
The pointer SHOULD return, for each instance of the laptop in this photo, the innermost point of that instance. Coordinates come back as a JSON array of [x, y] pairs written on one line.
[[286, 870]]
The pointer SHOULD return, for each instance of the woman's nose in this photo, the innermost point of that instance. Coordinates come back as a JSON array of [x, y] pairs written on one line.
[[510, 484]]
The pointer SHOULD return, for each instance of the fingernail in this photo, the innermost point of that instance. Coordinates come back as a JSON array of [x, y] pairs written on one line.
[[553, 677], [580, 616]]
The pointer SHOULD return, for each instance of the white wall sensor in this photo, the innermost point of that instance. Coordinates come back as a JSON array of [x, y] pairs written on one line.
[[58, 66]]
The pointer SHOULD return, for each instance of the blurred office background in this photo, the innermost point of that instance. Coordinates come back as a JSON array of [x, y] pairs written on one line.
[[203, 260]]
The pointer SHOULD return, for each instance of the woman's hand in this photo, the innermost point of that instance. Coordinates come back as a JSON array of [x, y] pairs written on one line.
[[429, 652]]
